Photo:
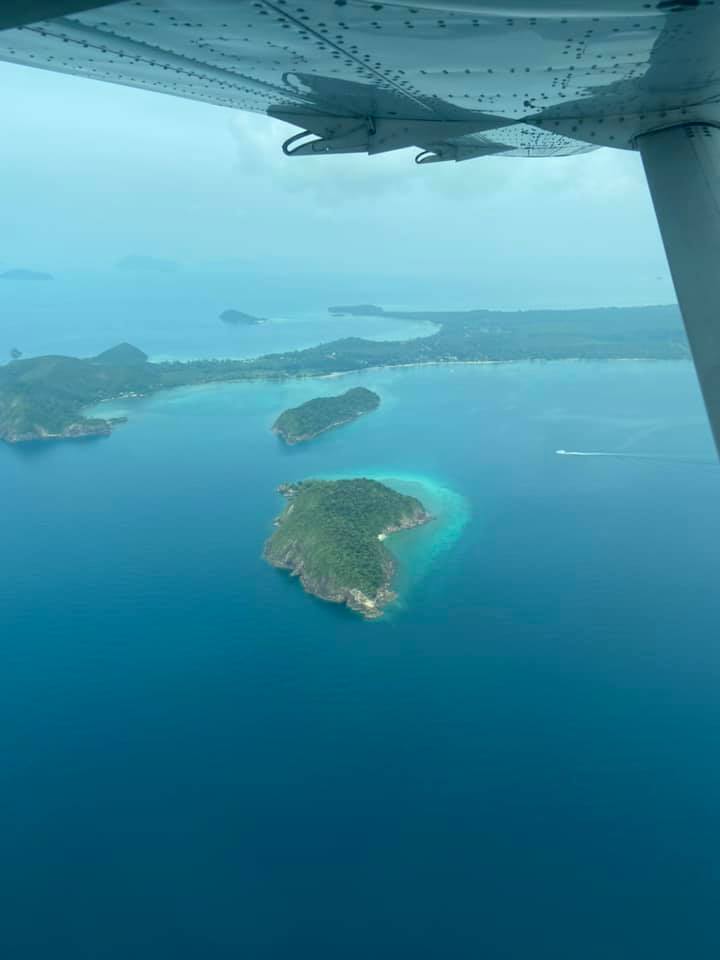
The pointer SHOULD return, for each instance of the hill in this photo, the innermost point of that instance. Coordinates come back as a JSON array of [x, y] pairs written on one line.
[[123, 355]]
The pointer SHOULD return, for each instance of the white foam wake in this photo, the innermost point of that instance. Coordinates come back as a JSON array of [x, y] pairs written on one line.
[[658, 457], [586, 453]]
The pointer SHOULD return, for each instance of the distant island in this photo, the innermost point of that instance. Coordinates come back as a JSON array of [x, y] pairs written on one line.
[[44, 397], [359, 310], [305, 422], [238, 318], [331, 534], [31, 276]]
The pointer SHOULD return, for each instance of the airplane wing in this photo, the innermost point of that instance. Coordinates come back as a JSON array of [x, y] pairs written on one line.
[[458, 79]]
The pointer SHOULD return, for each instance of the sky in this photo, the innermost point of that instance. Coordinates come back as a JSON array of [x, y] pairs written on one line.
[[93, 172]]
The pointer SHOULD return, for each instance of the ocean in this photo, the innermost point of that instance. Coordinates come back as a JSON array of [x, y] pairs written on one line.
[[520, 760], [172, 316]]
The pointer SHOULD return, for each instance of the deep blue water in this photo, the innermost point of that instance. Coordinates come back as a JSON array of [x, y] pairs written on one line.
[[520, 761]]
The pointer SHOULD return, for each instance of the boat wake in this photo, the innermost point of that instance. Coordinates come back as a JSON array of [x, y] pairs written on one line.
[[657, 457]]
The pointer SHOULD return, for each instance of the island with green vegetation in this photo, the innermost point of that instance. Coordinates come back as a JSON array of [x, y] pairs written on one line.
[[314, 417], [45, 397], [331, 535]]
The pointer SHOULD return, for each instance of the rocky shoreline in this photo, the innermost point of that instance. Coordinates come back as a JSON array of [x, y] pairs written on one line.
[[80, 430], [292, 439]]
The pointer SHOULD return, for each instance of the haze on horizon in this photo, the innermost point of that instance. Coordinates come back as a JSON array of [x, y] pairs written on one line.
[[94, 172]]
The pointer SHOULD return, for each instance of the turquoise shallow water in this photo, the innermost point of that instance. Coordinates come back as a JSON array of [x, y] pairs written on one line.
[[519, 760], [419, 551]]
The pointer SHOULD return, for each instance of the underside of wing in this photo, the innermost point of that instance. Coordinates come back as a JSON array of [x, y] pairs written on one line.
[[456, 79]]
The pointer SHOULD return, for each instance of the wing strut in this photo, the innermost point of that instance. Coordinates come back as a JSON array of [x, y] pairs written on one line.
[[682, 165]]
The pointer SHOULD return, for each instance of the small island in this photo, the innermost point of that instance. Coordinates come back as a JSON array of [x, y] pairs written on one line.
[[331, 535], [25, 276], [305, 422], [237, 318]]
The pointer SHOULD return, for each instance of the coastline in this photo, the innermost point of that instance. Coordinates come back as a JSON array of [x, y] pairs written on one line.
[[303, 438], [77, 430], [281, 378], [370, 608], [483, 363]]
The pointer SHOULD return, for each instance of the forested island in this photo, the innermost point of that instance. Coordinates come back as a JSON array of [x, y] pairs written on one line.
[[331, 535], [44, 397], [314, 417]]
